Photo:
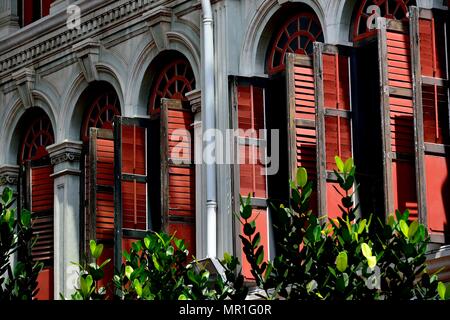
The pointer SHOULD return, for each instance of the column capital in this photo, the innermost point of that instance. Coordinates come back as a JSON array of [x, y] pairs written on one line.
[[65, 158], [195, 100], [66, 151], [9, 175]]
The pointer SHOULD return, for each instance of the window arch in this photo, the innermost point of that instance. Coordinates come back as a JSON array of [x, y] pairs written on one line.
[[36, 186], [173, 82], [101, 113], [367, 12], [296, 35], [37, 137]]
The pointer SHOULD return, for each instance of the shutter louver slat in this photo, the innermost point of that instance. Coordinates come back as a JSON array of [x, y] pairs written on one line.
[[333, 122], [178, 173], [42, 213]]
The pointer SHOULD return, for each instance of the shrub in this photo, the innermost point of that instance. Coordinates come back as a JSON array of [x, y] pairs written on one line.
[[157, 268], [345, 258], [90, 275], [16, 238]]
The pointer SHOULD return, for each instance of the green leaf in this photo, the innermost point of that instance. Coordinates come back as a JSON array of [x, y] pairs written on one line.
[[248, 229], [342, 282], [442, 290], [156, 263], [105, 263], [414, 226], [348, 165], [98, 251], [182, 297], [342, 261], [362, 225], [260, 255], [372, 262], [147, 242], [302, 177], [170, 251], [246, 212], [92, 246], [25, 218], [366, 250], [311, 286], [404, 228], [128, 271], [7, 196], [137, 287], [339, 163]]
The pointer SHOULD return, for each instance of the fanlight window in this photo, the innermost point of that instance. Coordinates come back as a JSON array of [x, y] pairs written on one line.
[[369, 10], [297, 35], [173, 82], [101, 113], [38, 136]]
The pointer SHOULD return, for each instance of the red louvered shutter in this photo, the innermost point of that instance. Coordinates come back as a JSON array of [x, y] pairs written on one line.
[[41, 205], [251, 143], [134, 149], [333, 120], [434, 81], [100, 212], [397, 118], [302, 133], [177, 171]]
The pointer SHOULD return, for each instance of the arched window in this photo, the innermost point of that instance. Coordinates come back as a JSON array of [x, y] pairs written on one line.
[[172, 171], [296, 35], [173, 82], [101, 104], [364, 22], [38, 195]]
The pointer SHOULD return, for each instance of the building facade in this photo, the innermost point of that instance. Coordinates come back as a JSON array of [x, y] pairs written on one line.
[[101, 117]]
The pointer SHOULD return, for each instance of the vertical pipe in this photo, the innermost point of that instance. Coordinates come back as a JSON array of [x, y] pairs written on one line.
[[209, 120]]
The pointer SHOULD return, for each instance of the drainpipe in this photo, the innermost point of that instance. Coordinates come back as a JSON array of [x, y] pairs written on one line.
[[209, 124]]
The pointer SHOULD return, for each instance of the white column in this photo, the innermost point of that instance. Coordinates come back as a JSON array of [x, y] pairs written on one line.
[[9, 19], [65, 158], [195, 101]]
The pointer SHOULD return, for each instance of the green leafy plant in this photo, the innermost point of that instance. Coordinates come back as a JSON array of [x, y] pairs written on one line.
[[157, 268], [90, 275], [350, 257], [16, 238]]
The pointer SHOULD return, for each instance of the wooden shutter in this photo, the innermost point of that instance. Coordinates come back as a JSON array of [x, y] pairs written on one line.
[[100, 211], [250, 173], [177, 171], [333, 120], [132, 175], [301, 120], [398, 118], [38, 190], [430, 29]]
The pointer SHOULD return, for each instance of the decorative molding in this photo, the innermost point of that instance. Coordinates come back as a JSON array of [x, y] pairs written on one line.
[[9, 175], [25, 80], [87, 53], [195, 100], [67, 151], [159, 21], [52, 35]]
